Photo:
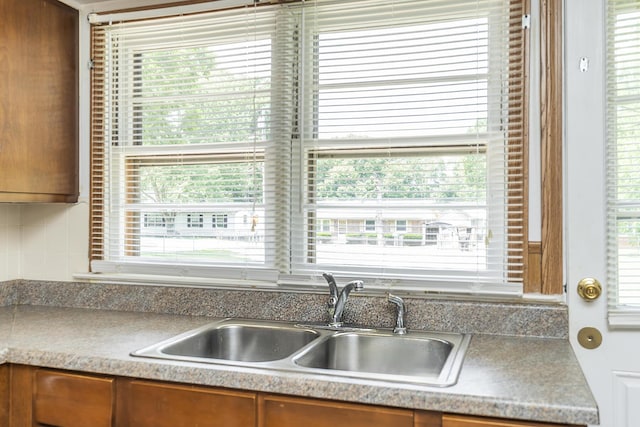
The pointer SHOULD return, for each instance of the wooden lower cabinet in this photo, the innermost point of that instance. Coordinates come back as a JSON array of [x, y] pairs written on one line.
[[427, 419], [72, 400], [44, 397], [284, 411], [39, 397], [153, 404], [5, 388], [466, 421]]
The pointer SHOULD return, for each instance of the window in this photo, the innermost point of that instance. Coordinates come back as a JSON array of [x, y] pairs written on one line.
[[220, 221], [154, 220], [623, 153], [370, 225], [324, 226], [323, 129], [195, 220]]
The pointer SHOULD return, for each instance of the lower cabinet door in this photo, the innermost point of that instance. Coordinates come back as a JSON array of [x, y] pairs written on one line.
[[64, 399], [282, 411], [464, 421], [149, 404]]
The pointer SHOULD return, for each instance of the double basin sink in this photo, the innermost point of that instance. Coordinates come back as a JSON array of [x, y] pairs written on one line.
[[425, 358]]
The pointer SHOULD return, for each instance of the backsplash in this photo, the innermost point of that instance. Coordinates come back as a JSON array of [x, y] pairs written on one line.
[[520, 319], [43, 241]]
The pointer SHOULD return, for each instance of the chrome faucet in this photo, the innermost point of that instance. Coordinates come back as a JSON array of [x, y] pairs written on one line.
[[337, 300], [399, 329]]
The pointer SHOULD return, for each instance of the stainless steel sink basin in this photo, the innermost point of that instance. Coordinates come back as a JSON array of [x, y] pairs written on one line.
[[424, 358], [416, 357], [234, 340], [378, 354]]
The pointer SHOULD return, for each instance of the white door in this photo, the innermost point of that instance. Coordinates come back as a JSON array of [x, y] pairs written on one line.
[[613, 369]]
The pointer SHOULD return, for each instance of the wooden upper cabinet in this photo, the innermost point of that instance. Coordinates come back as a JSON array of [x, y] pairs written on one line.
[[283, 411], [38, 101]]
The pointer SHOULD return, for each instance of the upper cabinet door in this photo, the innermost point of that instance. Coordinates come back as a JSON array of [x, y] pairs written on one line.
[[38, 101]]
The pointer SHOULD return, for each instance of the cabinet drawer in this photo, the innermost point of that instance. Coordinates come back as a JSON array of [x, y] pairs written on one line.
[[281, 411], [149, 404], [464, 421], [72, 400]]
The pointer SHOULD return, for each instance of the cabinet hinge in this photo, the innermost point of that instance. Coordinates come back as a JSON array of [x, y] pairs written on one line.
[[526, 22]]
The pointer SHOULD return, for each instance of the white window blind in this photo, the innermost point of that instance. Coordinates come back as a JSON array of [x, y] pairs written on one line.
[[370, 138], [185, 121], [623, 155]]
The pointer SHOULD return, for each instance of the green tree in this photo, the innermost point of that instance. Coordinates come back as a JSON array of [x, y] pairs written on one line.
[[184, 98], [437, 178]]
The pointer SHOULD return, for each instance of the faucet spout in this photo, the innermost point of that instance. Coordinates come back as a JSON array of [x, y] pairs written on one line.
[[333, 293], [336, 316], [399, 329], [333, 289]]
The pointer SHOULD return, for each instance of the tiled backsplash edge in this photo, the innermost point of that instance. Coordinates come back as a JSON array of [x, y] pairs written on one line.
[[9, 292], [497, 318]]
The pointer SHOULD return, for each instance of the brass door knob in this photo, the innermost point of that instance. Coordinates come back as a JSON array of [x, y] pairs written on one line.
[[589, 289]]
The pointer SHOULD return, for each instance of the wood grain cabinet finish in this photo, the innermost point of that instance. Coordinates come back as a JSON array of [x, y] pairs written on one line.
[[427, 419], [65, 399], [5, 393], [283, 411], [38, 101], [466, 421], [154, 404], [42, 397]]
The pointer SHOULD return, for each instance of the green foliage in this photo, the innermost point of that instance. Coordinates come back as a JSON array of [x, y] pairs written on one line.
[[186, 99], [412, 236], [206, 183], [437, 178], [205, 103]]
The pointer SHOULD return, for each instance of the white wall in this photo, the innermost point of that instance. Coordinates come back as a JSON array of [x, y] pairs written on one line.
[[10, 242]]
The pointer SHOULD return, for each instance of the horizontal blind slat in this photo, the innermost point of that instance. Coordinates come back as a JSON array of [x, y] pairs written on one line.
[[623, 180]]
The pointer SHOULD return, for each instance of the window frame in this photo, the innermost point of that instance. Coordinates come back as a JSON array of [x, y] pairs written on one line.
[[533, 263]]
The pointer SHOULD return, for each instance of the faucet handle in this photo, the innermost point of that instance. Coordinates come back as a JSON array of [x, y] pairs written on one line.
[[399, 329], [333, 292], [358, 285]]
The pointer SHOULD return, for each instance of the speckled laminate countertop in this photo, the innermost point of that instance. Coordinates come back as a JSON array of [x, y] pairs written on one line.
[[522, 377]]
